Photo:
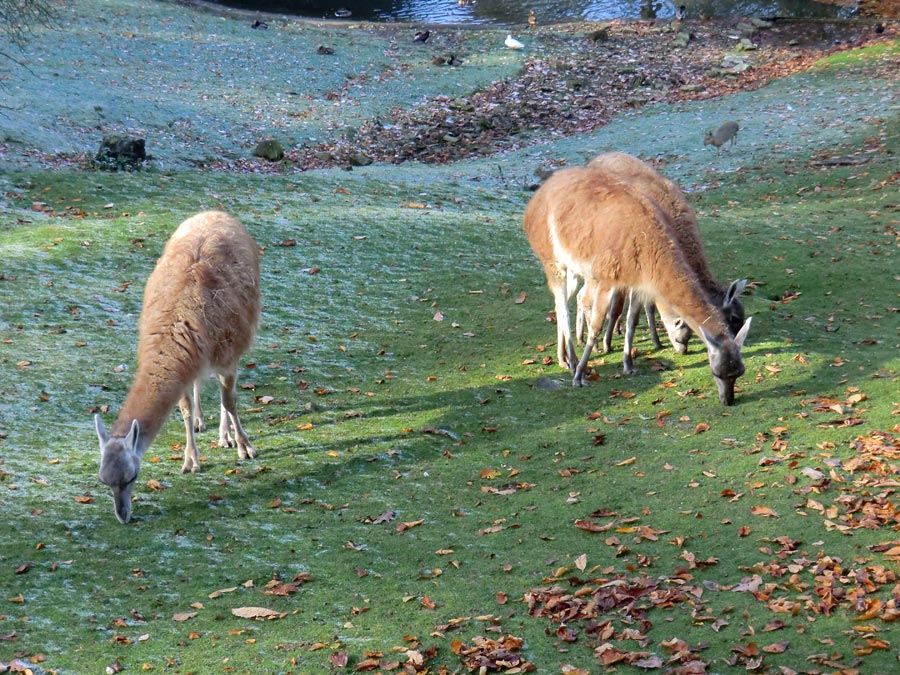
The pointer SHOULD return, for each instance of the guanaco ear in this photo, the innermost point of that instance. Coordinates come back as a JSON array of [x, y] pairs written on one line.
[[101, 432], [742, 333], [734, 291], [131, 440], [708, 339]]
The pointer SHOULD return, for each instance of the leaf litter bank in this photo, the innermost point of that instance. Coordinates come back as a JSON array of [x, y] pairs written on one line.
[[574, 79]]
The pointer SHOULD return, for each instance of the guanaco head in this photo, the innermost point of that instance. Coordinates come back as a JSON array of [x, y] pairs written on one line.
[[709, 139], [679, 334], [676, 328], [725, 360], [120, 463]]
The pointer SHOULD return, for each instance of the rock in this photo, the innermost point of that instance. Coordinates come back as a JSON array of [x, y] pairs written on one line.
[[692, 87], [462, 105], [681, 39], [269, 149], [761, 23], [121, 152], [359, 159], [546, 384], [599, 35], [747, 45], [324, 156], [732, 64]]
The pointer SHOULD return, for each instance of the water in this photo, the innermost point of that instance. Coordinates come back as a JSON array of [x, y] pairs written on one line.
[[505, 12]]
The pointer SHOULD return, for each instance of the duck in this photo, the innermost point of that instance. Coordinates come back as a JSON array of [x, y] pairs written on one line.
[[259, 24], [422, 36], [324, 51], [680, 12], [532, 19], [453, 60], [512, 43], [342, 13]]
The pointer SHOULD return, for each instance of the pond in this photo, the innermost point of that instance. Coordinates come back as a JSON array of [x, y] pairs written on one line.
[[506, 12]]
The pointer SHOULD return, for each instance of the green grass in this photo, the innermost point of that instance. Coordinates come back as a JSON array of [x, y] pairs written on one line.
[[363, 404]]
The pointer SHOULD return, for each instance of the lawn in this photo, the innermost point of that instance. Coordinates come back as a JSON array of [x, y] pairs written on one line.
[[431, 494]]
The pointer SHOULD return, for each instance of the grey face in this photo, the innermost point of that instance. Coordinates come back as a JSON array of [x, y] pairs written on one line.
[[119, 470], [726, 363], [122, 501], [679, 335], [120, 463], [726, 367], [726, 388]]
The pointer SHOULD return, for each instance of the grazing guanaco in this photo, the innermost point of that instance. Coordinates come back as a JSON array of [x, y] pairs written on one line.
[[201, 308]]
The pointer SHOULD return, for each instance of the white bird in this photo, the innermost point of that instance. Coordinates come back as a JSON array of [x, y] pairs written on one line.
[[512, 43]]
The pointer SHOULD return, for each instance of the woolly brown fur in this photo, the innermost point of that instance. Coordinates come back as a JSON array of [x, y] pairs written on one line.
[[201, 307]]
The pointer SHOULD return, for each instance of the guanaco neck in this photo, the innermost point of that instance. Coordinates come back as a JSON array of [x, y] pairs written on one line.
[[150, 405], [685, 294]]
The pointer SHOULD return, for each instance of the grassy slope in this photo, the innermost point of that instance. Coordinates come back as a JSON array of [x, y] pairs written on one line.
[[354, 350]]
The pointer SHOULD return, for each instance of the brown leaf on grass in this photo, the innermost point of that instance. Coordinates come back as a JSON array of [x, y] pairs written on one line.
[[763, 511], [609, 654], [568, 669], [776, 648], [338, 659], [385, 517], [276, 587], [521, 298], [591, 526], [222, 591], [486, 654], [183, 616], [650, 662], [403, 527], [258, 613], [367, 664]]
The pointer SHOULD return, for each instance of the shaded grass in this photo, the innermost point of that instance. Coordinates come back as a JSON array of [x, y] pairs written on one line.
[[377, 407]]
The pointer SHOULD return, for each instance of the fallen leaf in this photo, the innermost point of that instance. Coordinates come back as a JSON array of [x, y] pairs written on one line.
[[258, 613], [764, 511], [402, 527]]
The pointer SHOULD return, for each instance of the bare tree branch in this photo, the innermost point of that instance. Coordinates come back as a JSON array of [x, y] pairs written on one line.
[[19, 17]]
